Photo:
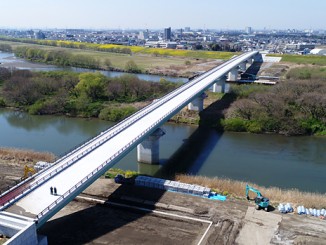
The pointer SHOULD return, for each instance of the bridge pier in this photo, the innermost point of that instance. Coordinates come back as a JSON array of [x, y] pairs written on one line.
[[248, 63], [258, 58], [148, 151], [219, 86], [243, 66], [198, 103], [233, 75]]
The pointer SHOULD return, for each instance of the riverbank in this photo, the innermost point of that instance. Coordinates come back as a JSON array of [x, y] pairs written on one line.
[[13, 161]]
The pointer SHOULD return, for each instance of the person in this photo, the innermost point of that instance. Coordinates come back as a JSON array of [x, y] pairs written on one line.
[[51, 190], [55, 190]]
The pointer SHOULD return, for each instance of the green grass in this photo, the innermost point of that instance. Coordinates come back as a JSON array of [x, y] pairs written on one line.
[[307, 72], [111, 173], [302, 59]]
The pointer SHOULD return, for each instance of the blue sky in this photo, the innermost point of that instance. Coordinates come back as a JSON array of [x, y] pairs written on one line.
[[156, 14]]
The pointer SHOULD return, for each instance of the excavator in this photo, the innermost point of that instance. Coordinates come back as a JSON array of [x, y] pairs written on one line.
[[260, 200], [28, 171]]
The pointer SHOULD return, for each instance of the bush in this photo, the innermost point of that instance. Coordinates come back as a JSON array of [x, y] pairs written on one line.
[[2, 102], [254, 127], [132, 67], [234, 124], [313, 126], [115, 114]]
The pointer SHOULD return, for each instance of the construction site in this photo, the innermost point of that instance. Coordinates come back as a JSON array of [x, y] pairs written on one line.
[[113, 213]]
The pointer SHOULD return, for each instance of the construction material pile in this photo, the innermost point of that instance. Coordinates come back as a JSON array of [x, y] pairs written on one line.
[[171, 185]]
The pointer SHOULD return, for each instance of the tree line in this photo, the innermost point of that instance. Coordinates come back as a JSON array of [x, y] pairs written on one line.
[[77, 94], [296, 106]]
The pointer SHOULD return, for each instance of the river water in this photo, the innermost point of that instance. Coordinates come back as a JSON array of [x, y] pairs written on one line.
[[269, 160]]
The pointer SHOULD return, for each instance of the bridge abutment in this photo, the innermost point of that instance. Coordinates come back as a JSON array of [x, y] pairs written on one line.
[[198, 103], [148, 151]]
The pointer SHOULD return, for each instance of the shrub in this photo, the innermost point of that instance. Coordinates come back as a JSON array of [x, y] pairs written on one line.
[[234, 124], [2, 102], [254, 127], [115, 114], [131, 66]]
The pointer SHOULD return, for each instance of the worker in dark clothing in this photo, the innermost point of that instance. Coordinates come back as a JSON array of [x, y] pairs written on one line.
[[55, 190], [51, 190]]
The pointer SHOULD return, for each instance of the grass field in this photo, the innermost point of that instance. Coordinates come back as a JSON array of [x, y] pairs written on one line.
[[145, 58], [144, 62], [302, 59]]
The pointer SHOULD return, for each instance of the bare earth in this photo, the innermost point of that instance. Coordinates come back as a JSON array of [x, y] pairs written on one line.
[[97, 217]]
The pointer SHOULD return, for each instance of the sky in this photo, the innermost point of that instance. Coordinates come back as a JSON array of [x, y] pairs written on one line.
[[158, 14]]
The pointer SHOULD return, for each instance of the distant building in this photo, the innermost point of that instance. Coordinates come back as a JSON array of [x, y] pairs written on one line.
[[318, 51], [160, 44], [299, 46], [248, 30], [39, 35], [187, 29], [143, 35], [167, 34]]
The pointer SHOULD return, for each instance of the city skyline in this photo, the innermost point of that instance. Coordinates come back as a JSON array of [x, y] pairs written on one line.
[[143, 14]]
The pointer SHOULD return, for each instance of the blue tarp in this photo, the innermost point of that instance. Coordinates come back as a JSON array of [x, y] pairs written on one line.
[[217, 197]]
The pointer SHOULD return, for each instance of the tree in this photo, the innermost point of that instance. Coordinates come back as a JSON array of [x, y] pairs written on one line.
[[131, 66], [92, 85]]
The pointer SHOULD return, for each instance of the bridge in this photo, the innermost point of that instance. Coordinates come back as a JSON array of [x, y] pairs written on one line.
[[28, 205]]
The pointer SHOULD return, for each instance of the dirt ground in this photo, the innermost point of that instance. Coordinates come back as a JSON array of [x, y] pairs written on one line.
[[95, 218], [109, 213]]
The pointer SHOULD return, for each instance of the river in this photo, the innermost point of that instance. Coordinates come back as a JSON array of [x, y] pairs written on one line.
[[268, 160], [9, 60]]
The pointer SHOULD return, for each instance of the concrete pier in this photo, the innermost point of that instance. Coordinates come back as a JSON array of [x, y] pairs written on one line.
[[219, 86], [258, 58], [149, 150], [198, 103], [248, 63], [243, 67], [233, 75]]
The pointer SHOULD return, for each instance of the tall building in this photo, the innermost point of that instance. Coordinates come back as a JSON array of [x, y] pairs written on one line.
[[187, 28], [167, 33], [143, 35], [248, 30]]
